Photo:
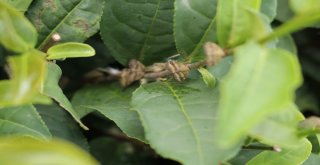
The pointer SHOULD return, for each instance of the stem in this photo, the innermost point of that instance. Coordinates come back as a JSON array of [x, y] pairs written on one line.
[[264, 148]]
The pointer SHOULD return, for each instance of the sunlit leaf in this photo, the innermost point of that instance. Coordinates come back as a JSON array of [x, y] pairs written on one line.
[[24, 121], [27, 151], [303, 7], [74, 20], [140, 30], [20, 5], [53, 90], [260, 82], [16, 32], [114, 103], [27, 73], [70, 50], [292, 156]]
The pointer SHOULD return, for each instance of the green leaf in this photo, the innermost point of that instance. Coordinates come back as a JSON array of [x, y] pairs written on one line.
[[52, 89], [235, 20], [16, 32], [184, 119], [296, 155], [23, 121], [27, 151], [140, 30], [114, 103], [27, 72], [21, 6], [284, 12], [61, 125], [70, 50], [313, 159], [260, 82], [74, 20], [284, 123], [207, 77], [287, 43], [303, 7], [269, 8], [194, 24], [244, 156]]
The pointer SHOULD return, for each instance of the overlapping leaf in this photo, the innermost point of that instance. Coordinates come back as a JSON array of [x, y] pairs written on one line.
[[74, 20], [292, 156], [53, 90], [260, 82], [269, 8], [24, 121], [114, 103], [20, 5], [70, 50], [194, 24], [139, 30], [16, 32]]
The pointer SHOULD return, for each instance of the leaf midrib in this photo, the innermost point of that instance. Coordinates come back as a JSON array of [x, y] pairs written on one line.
[[186, 115], [59, 24]]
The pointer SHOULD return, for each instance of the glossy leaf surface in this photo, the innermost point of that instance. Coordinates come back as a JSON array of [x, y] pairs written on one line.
[[70, 50], [140, 30]]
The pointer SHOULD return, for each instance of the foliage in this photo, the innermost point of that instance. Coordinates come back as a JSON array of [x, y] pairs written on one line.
[[221, 82]]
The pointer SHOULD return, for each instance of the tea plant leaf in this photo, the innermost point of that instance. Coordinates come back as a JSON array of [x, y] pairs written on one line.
[[24, 121], [28, 151], [303, 7], [260, 82], [292, 156], [235, 19], [287, 43], [21, 6], [114, 103], [313, 159], [16, 32], [28, 72], [52, 89], [207, 77], [194, 24], [61, 125], [184, 119], [284, 12], [269, 8], [70, 50], [139, 30], [285, 123], [74, 20]]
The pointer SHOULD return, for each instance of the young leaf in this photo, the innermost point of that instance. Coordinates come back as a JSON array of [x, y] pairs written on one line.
[[140, 30], [114, 103], [207, 77], [16, 32], [74, 20], [194, 24], [70, 50], [302, 7], [182, 127], [27, 74], [292, 156], [235, 20], [21, 6], [61, 125], [52, 89], [23, 121], [269, 8], [280, 128], [28, 151], [287, 43], [260, 82]]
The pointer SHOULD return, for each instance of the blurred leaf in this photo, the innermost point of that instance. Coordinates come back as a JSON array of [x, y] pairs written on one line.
[[315, 141], [269, 8], [53, 90], [23, 121], [244, 156], [292, 156], [139, 30], [27, 76], [260, 82], [305, 99], [62, 125], [310, 126], [284, 123], [303, 6], [194, 24], [287, 43], [27, 151], [184, 119], [284, 12], [70, 50], [222, 68], [74, 20], [114, 103], [207, 77], [20, 5], [313, 159], [16, 32], [110, 152], [235, 20]]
